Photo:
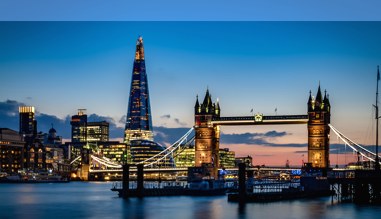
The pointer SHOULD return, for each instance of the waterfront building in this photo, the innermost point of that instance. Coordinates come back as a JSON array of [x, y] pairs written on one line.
[[246, 160], [115, 151], [184, 157], [141, 150], [35, 156], [11, 151], [139, 122], [97, 131], [227, 158]]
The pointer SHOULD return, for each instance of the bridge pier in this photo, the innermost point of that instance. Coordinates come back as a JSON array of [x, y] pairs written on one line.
[[242, 182], [140, 179], [126, 180]]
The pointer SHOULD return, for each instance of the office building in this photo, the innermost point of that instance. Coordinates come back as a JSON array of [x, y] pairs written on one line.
[[11, 151], [79, 126], [97, 131]]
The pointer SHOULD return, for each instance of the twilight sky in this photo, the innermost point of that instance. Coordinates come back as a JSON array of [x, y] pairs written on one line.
[[59, 67]]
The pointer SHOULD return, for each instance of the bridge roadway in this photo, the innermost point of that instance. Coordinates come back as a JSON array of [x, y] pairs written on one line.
[[177, 169], [260, 119]]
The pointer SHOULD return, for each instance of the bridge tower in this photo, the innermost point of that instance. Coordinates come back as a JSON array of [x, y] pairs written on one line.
[[207, 135], [319, 116]]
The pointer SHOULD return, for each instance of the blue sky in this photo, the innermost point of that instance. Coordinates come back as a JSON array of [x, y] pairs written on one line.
[[59, 67], [195, 10]]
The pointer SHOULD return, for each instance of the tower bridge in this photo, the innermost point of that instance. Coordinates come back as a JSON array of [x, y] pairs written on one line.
[[208, 122]]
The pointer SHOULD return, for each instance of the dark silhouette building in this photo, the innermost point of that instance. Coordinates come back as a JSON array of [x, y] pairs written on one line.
[[11, 151], [319, 116], [138, 122]]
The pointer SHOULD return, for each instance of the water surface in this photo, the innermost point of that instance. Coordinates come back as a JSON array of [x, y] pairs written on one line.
[[95, 200]]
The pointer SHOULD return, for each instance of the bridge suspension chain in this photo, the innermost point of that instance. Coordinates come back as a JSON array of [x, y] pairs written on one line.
[[170, 148], [77, 158], [156, 159], [353, 145], [168, 151]]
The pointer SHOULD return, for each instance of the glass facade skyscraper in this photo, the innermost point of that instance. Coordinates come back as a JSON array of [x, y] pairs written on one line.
[[139, 122]]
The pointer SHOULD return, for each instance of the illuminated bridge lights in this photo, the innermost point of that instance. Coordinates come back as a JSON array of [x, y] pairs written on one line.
[[260, 119]]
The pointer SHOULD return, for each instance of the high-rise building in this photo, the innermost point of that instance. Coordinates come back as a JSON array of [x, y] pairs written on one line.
[[84, 131], [97, 131], [138, 123], [79, 127], [28, 124]]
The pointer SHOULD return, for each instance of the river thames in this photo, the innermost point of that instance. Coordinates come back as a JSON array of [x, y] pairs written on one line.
[[95, 200]]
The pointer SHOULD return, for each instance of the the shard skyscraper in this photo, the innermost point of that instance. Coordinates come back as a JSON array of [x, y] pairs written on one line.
[[139, 121]]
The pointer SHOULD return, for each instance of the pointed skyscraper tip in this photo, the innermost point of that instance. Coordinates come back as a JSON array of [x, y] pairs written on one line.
[[139, 53], [139, 41]]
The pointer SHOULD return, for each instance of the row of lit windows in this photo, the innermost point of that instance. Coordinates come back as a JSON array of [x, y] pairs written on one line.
[[11, 165]]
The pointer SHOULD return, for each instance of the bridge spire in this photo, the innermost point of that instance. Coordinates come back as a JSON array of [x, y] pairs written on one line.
[[310, 102], [319, 98], [197, 106], [327, 105]]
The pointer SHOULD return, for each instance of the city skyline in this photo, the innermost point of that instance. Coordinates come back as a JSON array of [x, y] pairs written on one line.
[[248, 65]]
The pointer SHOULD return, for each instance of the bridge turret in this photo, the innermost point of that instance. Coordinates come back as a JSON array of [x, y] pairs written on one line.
[[207, 135], [217, 110], [319, 117], [318, 100], [327, 105]]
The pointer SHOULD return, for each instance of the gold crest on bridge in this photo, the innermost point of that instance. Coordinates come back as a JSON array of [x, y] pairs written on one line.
[[258, 117]]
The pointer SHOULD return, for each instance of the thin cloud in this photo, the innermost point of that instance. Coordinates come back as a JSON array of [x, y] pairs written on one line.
[[179, 122], [165, 116], [257, 139]]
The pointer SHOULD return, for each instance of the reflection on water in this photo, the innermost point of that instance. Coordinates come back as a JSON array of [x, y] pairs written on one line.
[[95, 200]]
